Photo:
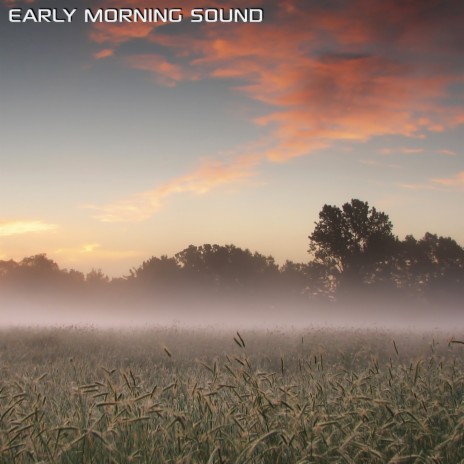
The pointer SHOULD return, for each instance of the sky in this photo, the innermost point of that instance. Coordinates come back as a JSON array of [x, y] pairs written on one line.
[[119, 142]]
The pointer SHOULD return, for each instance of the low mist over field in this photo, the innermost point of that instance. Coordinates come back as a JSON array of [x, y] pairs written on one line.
[[232, 315]]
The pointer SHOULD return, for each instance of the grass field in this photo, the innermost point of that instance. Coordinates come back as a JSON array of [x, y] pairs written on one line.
[[178, 396]]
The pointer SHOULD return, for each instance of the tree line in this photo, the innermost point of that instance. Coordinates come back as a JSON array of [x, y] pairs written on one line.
[[353, 255]]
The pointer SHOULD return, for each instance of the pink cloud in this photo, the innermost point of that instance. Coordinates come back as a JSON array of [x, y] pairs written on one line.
[[348, 73], [454, 181], [447, 152], [165, 72], [317, 99], [105, 53]]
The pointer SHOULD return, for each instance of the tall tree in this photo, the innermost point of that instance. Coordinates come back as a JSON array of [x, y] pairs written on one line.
[[355, 242]]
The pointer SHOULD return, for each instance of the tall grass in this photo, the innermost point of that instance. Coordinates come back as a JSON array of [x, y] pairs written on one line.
[[173, 396]]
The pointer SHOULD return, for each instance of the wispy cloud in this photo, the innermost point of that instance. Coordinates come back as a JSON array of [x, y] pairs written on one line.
[[8, 228], [104, 53], [411, 150], [210, 175], [89, 247], [400, 150], [454, 181], [376, 163], [419, 186], [165, 72], [446, 152]]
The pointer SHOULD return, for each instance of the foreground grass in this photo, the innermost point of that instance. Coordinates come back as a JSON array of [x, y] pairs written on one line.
[[172, 396]]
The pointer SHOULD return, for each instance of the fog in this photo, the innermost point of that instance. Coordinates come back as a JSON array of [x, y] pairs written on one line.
[[230, 314], [418, 284]]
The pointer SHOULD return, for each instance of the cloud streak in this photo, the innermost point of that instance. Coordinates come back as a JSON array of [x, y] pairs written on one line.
[[8, 228], [165, 72], [104, 53], [454, 181], [446, 152], [210, 175]]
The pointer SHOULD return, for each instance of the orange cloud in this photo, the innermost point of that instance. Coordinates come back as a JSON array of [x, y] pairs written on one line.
[[318, 98], [105, 53], [349, 72], [210, 175], [8, 228], [166, 73], [118, 33]]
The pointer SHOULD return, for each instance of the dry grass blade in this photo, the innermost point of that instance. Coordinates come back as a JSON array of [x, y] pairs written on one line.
[[460, 342], [252, 446], [241, 339]]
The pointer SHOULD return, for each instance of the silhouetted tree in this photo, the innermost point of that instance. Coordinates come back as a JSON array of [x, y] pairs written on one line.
[[432, 267], [303, 280], [39, 273], [226, 267], [156, 273], [354, 242], [96, 278], [293, 277], [321, 281], [7, 267], [36, 271], [353, 246]]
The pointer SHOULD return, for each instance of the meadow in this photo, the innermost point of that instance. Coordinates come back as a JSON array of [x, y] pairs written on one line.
[[171, 395]]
